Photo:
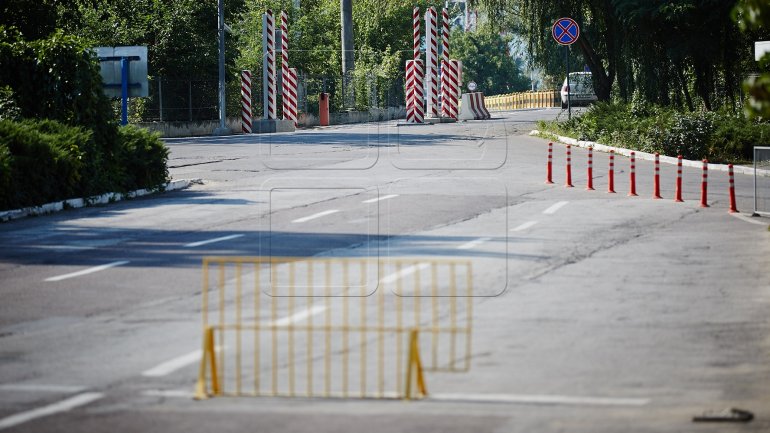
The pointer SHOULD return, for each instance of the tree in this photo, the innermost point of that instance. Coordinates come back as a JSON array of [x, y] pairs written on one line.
[[753, 16], [487, 61], [681, 53]]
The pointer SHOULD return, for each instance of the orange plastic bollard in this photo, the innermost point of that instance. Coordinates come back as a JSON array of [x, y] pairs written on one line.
[[323, 109]]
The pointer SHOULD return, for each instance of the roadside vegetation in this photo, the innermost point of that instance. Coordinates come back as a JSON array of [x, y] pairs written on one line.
[[721, 137], [671, 77], [58, 135]]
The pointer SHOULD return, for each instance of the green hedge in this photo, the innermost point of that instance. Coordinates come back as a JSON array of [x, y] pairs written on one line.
[[43, 161], [143, 158], [719, 136]]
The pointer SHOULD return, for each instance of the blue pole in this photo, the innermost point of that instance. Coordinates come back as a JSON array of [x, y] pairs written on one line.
[[124, 91]]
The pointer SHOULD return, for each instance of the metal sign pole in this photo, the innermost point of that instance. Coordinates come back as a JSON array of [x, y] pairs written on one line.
[[569, 89], [124, 76]]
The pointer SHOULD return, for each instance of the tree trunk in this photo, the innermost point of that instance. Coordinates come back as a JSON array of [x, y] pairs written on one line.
[[683, 85], [602, 81]]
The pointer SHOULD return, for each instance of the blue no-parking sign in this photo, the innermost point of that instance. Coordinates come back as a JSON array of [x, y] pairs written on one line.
[[565, 31]]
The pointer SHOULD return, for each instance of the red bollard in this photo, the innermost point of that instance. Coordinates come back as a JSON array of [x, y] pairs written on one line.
[[568, 183], [678, 196], [549, 176], [656, 191], [704, 185], [611, 185], [323, 109], [733, 208], [590, 169], [632, 175]]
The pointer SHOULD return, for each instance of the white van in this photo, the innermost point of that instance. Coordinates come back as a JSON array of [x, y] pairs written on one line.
[[581, 89]]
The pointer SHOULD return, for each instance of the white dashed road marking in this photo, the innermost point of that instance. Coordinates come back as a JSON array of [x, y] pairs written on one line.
[[211, 241], [552, 210], [51, 409], [87, 271], [314, 216]]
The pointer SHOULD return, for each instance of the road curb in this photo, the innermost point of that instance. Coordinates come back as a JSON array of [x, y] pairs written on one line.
[[76, 203], [742, 169]]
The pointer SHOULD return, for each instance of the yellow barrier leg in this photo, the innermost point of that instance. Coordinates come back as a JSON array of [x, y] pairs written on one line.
[[414, 367], [207, 357]]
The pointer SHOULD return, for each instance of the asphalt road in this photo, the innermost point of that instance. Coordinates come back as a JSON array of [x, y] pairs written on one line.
[[592, 312]]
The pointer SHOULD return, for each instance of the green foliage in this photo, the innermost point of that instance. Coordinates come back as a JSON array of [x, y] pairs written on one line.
[[753, 17], [58, 78], [487, 61], [9, 109], [143, 158], [719, 136], [41, 162], [684, 53]]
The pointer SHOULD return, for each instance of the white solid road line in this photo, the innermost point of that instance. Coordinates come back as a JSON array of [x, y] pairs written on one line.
[[88, 271], [540, 399], [472, 244], [552, 210], [404, 272], [749, 219], [36, 387], [524, 226], [385, 197], [173, 365], [314, 216], [183, 361], [211, 241], [62, 406]]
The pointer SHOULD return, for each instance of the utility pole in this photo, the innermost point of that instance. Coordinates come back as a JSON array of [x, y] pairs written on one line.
[[348, 55], [222, 129]]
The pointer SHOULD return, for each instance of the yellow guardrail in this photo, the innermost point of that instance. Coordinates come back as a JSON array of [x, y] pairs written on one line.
[[515, 101], [332, 327]]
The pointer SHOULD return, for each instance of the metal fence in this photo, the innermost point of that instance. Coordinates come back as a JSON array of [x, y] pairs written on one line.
[[332, 327], [196, 99], [516, 101], [761, 183]]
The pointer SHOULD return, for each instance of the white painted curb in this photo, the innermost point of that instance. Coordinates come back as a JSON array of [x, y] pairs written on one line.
[[742, 169], [76, 203]]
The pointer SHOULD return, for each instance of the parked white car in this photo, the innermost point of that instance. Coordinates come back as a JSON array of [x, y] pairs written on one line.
[[581, 89]]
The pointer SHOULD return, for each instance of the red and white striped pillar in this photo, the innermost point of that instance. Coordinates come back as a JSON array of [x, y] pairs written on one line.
[[611, 184], [678, 196], [410, 91], [656, 189], [632, 176], [452, 73], [268, 66], [733, 207], [246, 113], [568, 182], [415, 70], [704, 186], [416, 33], [431, 61], [290, 96], [289, 86], [445, 90], [590, 173]]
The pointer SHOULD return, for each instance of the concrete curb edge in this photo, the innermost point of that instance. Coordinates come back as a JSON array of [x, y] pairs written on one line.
[[742, 169], [76, 203]]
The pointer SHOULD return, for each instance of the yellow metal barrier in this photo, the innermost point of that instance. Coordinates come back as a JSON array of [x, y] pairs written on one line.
[[516, 101], [332, 327]]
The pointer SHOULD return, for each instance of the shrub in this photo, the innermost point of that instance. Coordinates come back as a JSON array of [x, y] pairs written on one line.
[[143, 158], [41, 162], [718, 136]]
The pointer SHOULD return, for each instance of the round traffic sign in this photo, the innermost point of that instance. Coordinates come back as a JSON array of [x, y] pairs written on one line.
[[565, 31], [472, 86]]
